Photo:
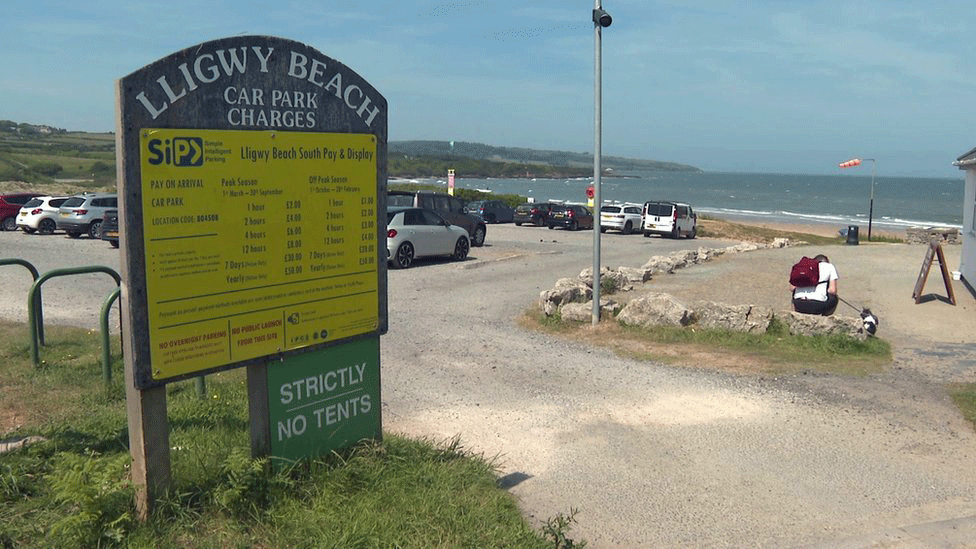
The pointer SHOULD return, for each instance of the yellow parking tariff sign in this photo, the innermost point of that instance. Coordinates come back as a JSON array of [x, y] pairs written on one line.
[[256, 242]]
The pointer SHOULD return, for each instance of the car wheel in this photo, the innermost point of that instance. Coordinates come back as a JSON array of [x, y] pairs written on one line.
[[573, 226], [28, 230], [603, 229], [518, 223], [47, 226], [551, 226], [539, 223], [461, 249], [404, 256], [674, 232], [479, 237], [694, 232], [73, 234], [628, 227], [647, 234], [114, 243], [10, 224], [95, 229]]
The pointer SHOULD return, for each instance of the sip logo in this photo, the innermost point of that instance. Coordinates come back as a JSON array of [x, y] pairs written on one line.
[[179, 152]]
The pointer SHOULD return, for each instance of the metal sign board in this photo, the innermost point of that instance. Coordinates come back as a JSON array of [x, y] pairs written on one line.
[[252, 197]]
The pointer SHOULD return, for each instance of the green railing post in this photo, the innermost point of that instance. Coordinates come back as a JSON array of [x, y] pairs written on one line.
[[37, 304], [106, 342], [33, 300]]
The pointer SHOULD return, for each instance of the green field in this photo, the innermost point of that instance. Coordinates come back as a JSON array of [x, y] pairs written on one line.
[[41, 155]]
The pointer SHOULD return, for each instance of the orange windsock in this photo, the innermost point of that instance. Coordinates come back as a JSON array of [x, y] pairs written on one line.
[[850, 163]]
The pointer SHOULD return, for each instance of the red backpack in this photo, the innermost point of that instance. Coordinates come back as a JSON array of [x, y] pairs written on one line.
[[805, 273]]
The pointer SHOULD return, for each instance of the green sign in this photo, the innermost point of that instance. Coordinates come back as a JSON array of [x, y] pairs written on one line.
[[324, 400]]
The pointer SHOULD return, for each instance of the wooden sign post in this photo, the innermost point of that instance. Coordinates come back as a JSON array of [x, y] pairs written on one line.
[[252, 197], [934, 251]]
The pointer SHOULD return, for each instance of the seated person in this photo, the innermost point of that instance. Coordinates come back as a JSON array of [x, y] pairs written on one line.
[[822, 298]]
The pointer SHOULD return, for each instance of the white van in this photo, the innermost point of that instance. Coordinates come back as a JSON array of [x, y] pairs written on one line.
[[673, 219]]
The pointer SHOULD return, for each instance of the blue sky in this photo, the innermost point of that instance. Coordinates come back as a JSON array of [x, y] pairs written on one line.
[[784, 86]]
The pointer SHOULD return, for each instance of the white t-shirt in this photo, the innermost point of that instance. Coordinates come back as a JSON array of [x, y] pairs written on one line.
[[819, 292]]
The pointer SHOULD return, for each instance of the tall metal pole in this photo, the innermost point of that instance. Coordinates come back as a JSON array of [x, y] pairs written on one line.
[[874, 168], [597, 157]]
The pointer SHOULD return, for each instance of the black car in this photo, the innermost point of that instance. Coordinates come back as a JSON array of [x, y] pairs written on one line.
[[532, 212], [109, 229], [492, 211], [572, 217], [449, 207]]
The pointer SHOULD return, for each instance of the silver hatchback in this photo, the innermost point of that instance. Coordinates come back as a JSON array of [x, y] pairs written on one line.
[[83, 213]]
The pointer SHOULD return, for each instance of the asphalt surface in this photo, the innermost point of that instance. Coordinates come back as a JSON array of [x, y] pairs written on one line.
[[653, 454]]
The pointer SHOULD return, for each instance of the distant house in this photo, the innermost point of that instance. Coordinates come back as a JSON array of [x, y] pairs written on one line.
[[967, 162]]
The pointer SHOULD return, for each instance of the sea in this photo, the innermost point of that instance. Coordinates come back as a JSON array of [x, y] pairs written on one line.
[[838, 200]]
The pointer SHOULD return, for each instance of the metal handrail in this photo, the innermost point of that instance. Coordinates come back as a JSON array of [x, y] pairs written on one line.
[[106, 348], [34, 313], [33, 270]]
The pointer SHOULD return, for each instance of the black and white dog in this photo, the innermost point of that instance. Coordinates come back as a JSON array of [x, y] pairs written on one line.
[[869, 321]]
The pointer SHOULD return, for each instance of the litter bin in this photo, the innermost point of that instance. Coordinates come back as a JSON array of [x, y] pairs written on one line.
[[852, 235]]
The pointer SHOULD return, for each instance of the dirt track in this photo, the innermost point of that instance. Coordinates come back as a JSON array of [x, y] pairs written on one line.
[[652, 454]]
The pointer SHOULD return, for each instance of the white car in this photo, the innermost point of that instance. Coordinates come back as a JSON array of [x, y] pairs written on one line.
[[625, 218], [40, 214], [419, 232]]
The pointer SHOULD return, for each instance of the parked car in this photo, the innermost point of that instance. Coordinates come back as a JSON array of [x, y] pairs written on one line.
[[419, 232], [625, 218], [450, 208], [492, 211], [572, 217], [83, 213], [40, 214], [536, 213], [110, 228], [674, 219], [10, 205]]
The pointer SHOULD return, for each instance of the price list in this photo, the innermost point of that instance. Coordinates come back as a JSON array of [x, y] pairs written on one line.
[[265, 240]]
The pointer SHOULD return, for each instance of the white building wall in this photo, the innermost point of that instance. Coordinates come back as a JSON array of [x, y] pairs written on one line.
[[968, 261]]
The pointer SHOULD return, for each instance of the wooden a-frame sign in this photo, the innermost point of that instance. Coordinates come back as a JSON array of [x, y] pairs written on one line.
[[935, 251]]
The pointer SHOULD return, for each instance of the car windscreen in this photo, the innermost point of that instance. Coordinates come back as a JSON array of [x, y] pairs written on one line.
[[399, 200], [33, 203], [73, 202], [658, 209], [610, 209]]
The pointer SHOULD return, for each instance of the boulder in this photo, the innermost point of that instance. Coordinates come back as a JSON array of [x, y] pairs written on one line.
[[635, 275], [620, 281], [737, 318], [742, 247], [659, 264], [656, 309], [583, 312], [567, 290], [809, 325]]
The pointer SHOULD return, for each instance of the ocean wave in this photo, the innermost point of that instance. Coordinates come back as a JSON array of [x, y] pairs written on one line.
[[822, 219]]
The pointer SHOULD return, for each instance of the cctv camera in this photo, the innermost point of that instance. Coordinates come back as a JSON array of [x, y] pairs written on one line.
[[602, 18]]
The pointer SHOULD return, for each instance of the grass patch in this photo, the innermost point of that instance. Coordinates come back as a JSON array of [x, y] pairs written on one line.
[[72, 489], [773, 352], [964, 396]]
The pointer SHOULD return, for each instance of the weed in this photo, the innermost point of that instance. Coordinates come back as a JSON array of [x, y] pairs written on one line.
[[556, 530]]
